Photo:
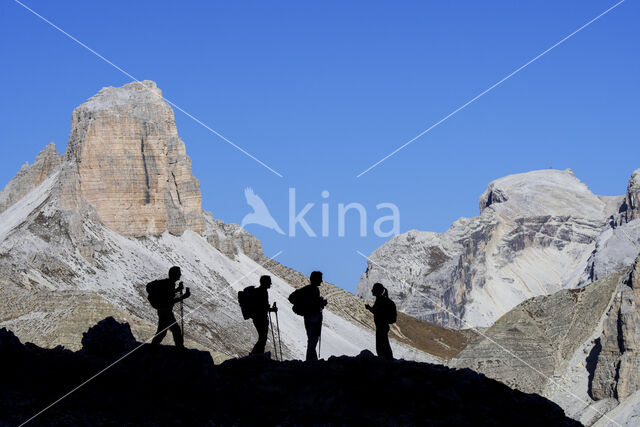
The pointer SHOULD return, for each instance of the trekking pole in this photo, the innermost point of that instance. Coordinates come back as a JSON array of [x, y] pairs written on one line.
[[320, 339], [320, 335], [181, 314], [273, 337], [278, 326]]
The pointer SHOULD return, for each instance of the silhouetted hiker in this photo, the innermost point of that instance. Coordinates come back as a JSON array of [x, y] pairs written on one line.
[[308, 303], [254, 303], [162, 296], [384, 313]]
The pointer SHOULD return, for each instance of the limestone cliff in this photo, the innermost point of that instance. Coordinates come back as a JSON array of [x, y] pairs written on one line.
[[617, 371], [630, 207], [30, 176], [125, 159]]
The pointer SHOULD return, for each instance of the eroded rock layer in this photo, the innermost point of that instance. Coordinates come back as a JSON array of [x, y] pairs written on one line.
[[125, 158]]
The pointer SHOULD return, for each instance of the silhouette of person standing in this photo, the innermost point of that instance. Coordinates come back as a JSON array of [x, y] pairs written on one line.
[[312, 304], [384, 313], [261, 313], [162, 294]]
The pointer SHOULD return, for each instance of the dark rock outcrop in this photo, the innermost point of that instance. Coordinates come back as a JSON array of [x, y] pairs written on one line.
[[108, 337]]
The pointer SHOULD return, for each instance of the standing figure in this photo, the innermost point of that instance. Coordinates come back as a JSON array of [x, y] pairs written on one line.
[[162, 296], [260, 316], [384, 313], [308, 303]]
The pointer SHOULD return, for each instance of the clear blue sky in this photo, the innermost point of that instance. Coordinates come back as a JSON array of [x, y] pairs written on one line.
[[320, 92]]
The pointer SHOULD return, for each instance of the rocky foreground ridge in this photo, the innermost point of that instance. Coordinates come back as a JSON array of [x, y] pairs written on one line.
[[538, 232], [81, 233], [155, 386]]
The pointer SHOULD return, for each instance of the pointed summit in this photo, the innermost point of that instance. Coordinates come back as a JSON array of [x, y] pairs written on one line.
[[630, 207], [29, 177]]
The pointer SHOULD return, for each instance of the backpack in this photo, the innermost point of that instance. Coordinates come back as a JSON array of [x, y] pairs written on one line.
[[247, 300], [390, 312], [302, 302], [155, 293]]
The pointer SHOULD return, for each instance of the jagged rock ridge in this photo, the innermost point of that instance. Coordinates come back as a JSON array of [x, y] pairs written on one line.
[[630, 207]]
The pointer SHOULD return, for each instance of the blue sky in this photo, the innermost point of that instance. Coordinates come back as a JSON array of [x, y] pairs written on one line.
[[320, 92]]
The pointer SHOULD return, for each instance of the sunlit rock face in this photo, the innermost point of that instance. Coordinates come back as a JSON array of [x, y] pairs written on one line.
[[617, 372], [126, 160], [30, 176], [630, 208]]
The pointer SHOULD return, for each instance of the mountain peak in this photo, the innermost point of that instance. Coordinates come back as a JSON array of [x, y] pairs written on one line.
[[542, 192], [29, 176], [109, 98], [128, 162], [630, 207]]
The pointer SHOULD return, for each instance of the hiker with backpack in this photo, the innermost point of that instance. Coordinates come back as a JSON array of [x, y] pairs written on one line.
[[254, 303], [384, 313], [308, 303], [162, 296]]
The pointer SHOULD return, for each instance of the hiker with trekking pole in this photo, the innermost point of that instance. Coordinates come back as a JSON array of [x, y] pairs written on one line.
[[162, 296], [308, 303], [254, 304]]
